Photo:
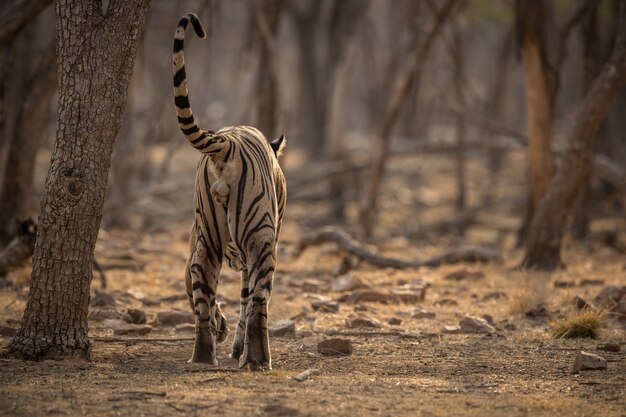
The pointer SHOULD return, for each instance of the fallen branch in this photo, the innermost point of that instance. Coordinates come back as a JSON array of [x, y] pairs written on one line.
[[350, 245], [142, 339]]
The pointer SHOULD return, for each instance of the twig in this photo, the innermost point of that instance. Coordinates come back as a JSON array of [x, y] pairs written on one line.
[[141, 339], [464, 254]]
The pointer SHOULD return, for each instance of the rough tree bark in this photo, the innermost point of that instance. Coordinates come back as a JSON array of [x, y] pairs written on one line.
[[543, 248], [34, 72], [405, 81], [531, 17], [95, 53]]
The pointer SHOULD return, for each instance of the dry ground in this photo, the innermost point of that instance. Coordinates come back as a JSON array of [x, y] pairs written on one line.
[[519, 371]]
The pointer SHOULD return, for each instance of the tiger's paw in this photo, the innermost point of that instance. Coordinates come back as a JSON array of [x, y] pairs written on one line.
[[204, 348]]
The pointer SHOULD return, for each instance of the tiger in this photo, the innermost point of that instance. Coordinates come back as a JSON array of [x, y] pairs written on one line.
[[239, 200]]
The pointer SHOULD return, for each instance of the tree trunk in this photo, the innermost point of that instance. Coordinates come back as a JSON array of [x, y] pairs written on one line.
[[36, 73], [404, 83], [581, 218], [538, 105], [460, 160], [267, 13], [95, 53], [546, 230]]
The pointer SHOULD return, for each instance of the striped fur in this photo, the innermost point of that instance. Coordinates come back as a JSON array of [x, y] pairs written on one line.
[[239, 204]]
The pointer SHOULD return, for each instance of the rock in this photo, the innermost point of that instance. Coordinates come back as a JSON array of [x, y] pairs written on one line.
[[303, 376], [539, 311], [610, 295], [580, 303], [564, 284], [312, 284], [174, 317], [471, 324], [185, 328], [494, 295], [108, 314], [347, 282], [136, 316], [610, 347], [489, 319], [282, 328], [335, 347], [409, 294], [586, 361], [591, 282], [325, 306], [421, 314], [362, 321], [446, 302], [102, 299], [373, 296], [7, 331], [463, 274], [619, 309], [394, 321], [451, 329], [132, 329]]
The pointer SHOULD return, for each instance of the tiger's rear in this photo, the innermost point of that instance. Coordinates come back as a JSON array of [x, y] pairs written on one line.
[[239, 204]]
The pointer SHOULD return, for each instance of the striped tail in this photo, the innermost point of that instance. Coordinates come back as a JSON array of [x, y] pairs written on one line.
[[204, 141]]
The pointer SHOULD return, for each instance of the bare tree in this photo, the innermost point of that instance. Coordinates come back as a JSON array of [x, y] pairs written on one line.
[[33, 70], [96, 48], [546, 230], [404, 82]]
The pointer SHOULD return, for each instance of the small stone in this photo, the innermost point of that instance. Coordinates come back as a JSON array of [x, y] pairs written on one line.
[[421, 314], [564, 284], [409, 294], [463, 274], [394, 321], [362, 321], [185, 328], [282, 328], [610, 295], [610, 347], [136, 316], [471, 324], [446, 302], [586, 361], [539, 311], [591, 282], [325, 306], [312, 284], [7, 331], [580, 303], [451, 329], [489, 319], [334, 347], [347, 283], [132, 329], [174, 317], [510, 326], [102, 299], [360, 296], [494, 295], [303, 376]]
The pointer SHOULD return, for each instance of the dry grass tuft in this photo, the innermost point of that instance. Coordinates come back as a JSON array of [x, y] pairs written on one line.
[[585, 323]]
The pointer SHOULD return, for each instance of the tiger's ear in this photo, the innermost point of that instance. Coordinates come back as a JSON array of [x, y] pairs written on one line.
[[278, 145]]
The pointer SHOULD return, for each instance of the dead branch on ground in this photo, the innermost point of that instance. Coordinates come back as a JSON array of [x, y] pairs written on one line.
[[354, 247]]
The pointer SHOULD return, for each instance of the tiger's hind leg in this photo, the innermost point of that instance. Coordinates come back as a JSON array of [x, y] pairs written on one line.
[[241, 325], [256, 348], [203, 269]]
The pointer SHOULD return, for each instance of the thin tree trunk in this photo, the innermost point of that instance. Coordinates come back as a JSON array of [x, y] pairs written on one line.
[[581, 219], [95, 54], [267, 14], [457, 58], [404, 83], [538, 106], [546, 230]]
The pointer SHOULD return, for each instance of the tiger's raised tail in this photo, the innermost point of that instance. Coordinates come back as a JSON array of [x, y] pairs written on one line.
[[204, 141]]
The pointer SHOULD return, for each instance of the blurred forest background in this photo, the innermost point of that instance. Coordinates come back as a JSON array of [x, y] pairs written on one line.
[[439, 121]]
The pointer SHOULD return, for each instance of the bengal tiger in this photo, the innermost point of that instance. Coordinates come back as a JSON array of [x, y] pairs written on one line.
[[239, 202]]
